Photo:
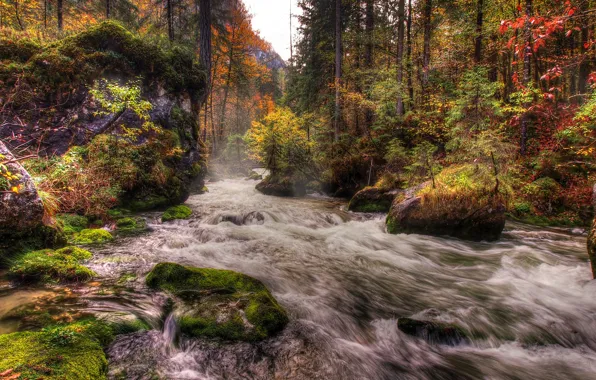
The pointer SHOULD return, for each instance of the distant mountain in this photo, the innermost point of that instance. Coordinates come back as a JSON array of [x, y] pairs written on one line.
[[270, 59]]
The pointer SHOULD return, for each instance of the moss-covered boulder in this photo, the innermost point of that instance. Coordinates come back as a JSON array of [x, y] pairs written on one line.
[[372, 199], [254, 176], [93, 236], [219, 303], [281, 186], [131, 225], [453, 215], [592, 248], [433, 332], [176, 212], [62, 265]]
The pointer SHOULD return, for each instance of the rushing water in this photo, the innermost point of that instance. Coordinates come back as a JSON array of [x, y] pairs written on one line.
[[527, 299]]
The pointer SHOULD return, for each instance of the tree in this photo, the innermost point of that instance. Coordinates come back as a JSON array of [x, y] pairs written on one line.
[[338, 67], [400, 54]]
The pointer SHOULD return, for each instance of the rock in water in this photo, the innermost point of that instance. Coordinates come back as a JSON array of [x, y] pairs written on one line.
[[219, 303], [462, 219], [281, 186], [372, 199], [433, 332], [592, 248]]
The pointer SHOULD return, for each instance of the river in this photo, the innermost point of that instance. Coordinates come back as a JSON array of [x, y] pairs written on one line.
[[527, 300]]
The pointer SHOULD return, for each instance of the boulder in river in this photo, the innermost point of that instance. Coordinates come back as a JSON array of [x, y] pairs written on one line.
[[219, 303], [372, 199], [281, 186], [433, 332], [459, 217]]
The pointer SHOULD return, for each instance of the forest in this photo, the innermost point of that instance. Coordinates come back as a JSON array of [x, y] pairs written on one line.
[[405, 191]]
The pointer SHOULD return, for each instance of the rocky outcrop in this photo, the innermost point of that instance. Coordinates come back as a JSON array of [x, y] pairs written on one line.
[[21, 211], [281, 186], [372, 199], [219, 303], [459, 217]]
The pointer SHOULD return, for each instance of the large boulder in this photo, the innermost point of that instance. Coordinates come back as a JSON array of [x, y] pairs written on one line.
[[372, 199], [21, 211], [22, 208], [219, 303], [281, 186], [461, 217]]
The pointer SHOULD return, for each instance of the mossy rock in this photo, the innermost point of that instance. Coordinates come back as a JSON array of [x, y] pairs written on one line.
[[592, 248], [131, 225], [72, 223], [62, 265], [12, 245], [254, 176], [281, 186], [176, 212], [47, 355], [219, 303], [93, 236], [371, 199]]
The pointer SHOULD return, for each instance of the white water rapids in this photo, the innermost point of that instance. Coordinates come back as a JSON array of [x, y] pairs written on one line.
[[528, 300]]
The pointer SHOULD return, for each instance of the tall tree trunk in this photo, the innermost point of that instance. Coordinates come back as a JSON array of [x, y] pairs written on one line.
[[369, 29], [572, 72], [338, 64], [427, 19], [17, 16], [584, 66], [526, 76], [108, 9], [409, 57], [205, 43], [170, 17], [59, 14], [400, 55], [222, 118], [368, 49], [45, 14], [478, 42]]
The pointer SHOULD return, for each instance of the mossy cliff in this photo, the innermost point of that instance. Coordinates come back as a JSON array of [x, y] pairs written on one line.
[[219, 303], [49, 90]]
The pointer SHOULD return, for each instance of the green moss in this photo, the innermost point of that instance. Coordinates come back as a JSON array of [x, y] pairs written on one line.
[[72, 223], [52, 355], [13, 244], [18, 49], [131, 225], [94, 236], [216, 300], [52, 266], [392, 225], [126, 278], [176, 212], [371, 207]]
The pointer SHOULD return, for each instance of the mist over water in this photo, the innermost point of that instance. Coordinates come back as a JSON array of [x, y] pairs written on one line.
[[526, 300]]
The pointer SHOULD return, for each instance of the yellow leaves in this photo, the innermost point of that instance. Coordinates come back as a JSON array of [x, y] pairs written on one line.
[[15, 189]]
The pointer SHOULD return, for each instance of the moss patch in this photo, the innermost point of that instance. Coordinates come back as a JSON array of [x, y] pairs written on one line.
[[371, 199], [220, 303], [176, 212], [47, 265], [93, 236], [64, 354], [72, 223], [131, 225]]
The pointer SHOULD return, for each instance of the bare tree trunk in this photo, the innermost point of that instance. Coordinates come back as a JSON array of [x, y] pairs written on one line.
[[205, 43], [526, 77], [108, 9], [584, 67], [170, 16], [478, 42], [409, 56], [59, 14], [368, 49], [45, 14], [400, 55], [338, 64], [16, 14], [222, 118], [427, 19]]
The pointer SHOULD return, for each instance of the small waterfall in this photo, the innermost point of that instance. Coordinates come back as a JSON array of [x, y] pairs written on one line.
[[170, 331]]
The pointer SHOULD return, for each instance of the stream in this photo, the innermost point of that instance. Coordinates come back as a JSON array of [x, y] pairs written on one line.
[[527, 300]]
